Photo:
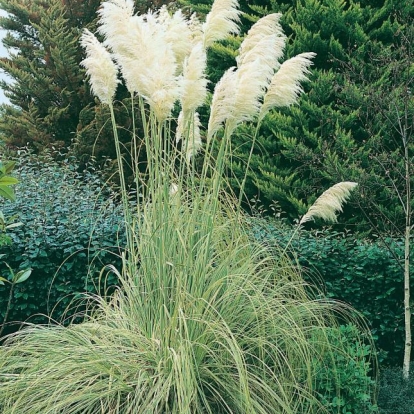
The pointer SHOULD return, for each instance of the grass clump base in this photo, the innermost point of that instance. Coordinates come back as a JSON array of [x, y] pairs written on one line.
[[205, 322]]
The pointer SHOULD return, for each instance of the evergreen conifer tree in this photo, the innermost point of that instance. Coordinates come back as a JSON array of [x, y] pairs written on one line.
[[326, 138], [47, 91], [51, 104]]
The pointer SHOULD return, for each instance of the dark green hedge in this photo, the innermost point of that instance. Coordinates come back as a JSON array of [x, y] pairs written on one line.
[[396, 394], [364, 274], [70, 231]]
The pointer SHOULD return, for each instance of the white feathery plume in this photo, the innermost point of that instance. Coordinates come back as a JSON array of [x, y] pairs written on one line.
[[163, 14], [285, 86], [259, 57], [100, 68], [252, 81], [267, 25], [260, 52], [263, 28], [181, 127], [155, 73], [269, 50], [330, 202], [196, 28], [114, 23], [177, 33], [194, 81], [146, 60], [162, 100], [188, 130], [222, 20], [222, 104]]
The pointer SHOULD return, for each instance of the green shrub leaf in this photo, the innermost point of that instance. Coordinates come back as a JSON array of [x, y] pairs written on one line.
[[21, 276]]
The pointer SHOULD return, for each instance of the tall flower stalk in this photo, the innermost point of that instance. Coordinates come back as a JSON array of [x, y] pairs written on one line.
[[103, 73]]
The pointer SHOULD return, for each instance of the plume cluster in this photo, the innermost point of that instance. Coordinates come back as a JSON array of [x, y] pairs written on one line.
[[162, 58], [259, 82], [222, 20]]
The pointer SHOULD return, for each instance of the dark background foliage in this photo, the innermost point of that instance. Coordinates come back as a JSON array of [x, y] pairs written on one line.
[[396, 395]]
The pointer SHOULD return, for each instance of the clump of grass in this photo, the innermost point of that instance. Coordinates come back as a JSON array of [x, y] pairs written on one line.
[[205, 320]]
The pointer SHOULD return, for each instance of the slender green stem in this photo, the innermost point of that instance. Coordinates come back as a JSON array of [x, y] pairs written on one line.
[[124, 193], [217, 179], [6, 315], [248, 162], [295, 232], [145, 126], [135, 167]]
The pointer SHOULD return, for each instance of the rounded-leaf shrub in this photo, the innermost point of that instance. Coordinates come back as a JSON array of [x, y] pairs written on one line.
[[343, 383], [70, 231]]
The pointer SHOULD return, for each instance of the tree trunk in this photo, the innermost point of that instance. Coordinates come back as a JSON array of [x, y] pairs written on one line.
[[407, 310], [407, 348]]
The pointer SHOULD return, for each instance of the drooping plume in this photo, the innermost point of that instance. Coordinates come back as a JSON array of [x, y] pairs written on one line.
[[253, 44], [258, 59], [330, 202], [100, 68], [222, 104], [114, 24], [252, 80], [177, 33]]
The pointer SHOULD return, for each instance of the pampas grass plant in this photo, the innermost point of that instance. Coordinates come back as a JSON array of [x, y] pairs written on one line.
[[208, 322], [204, 320]]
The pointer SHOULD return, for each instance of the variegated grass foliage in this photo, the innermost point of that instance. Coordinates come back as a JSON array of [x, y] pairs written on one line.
[[205, 320]]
